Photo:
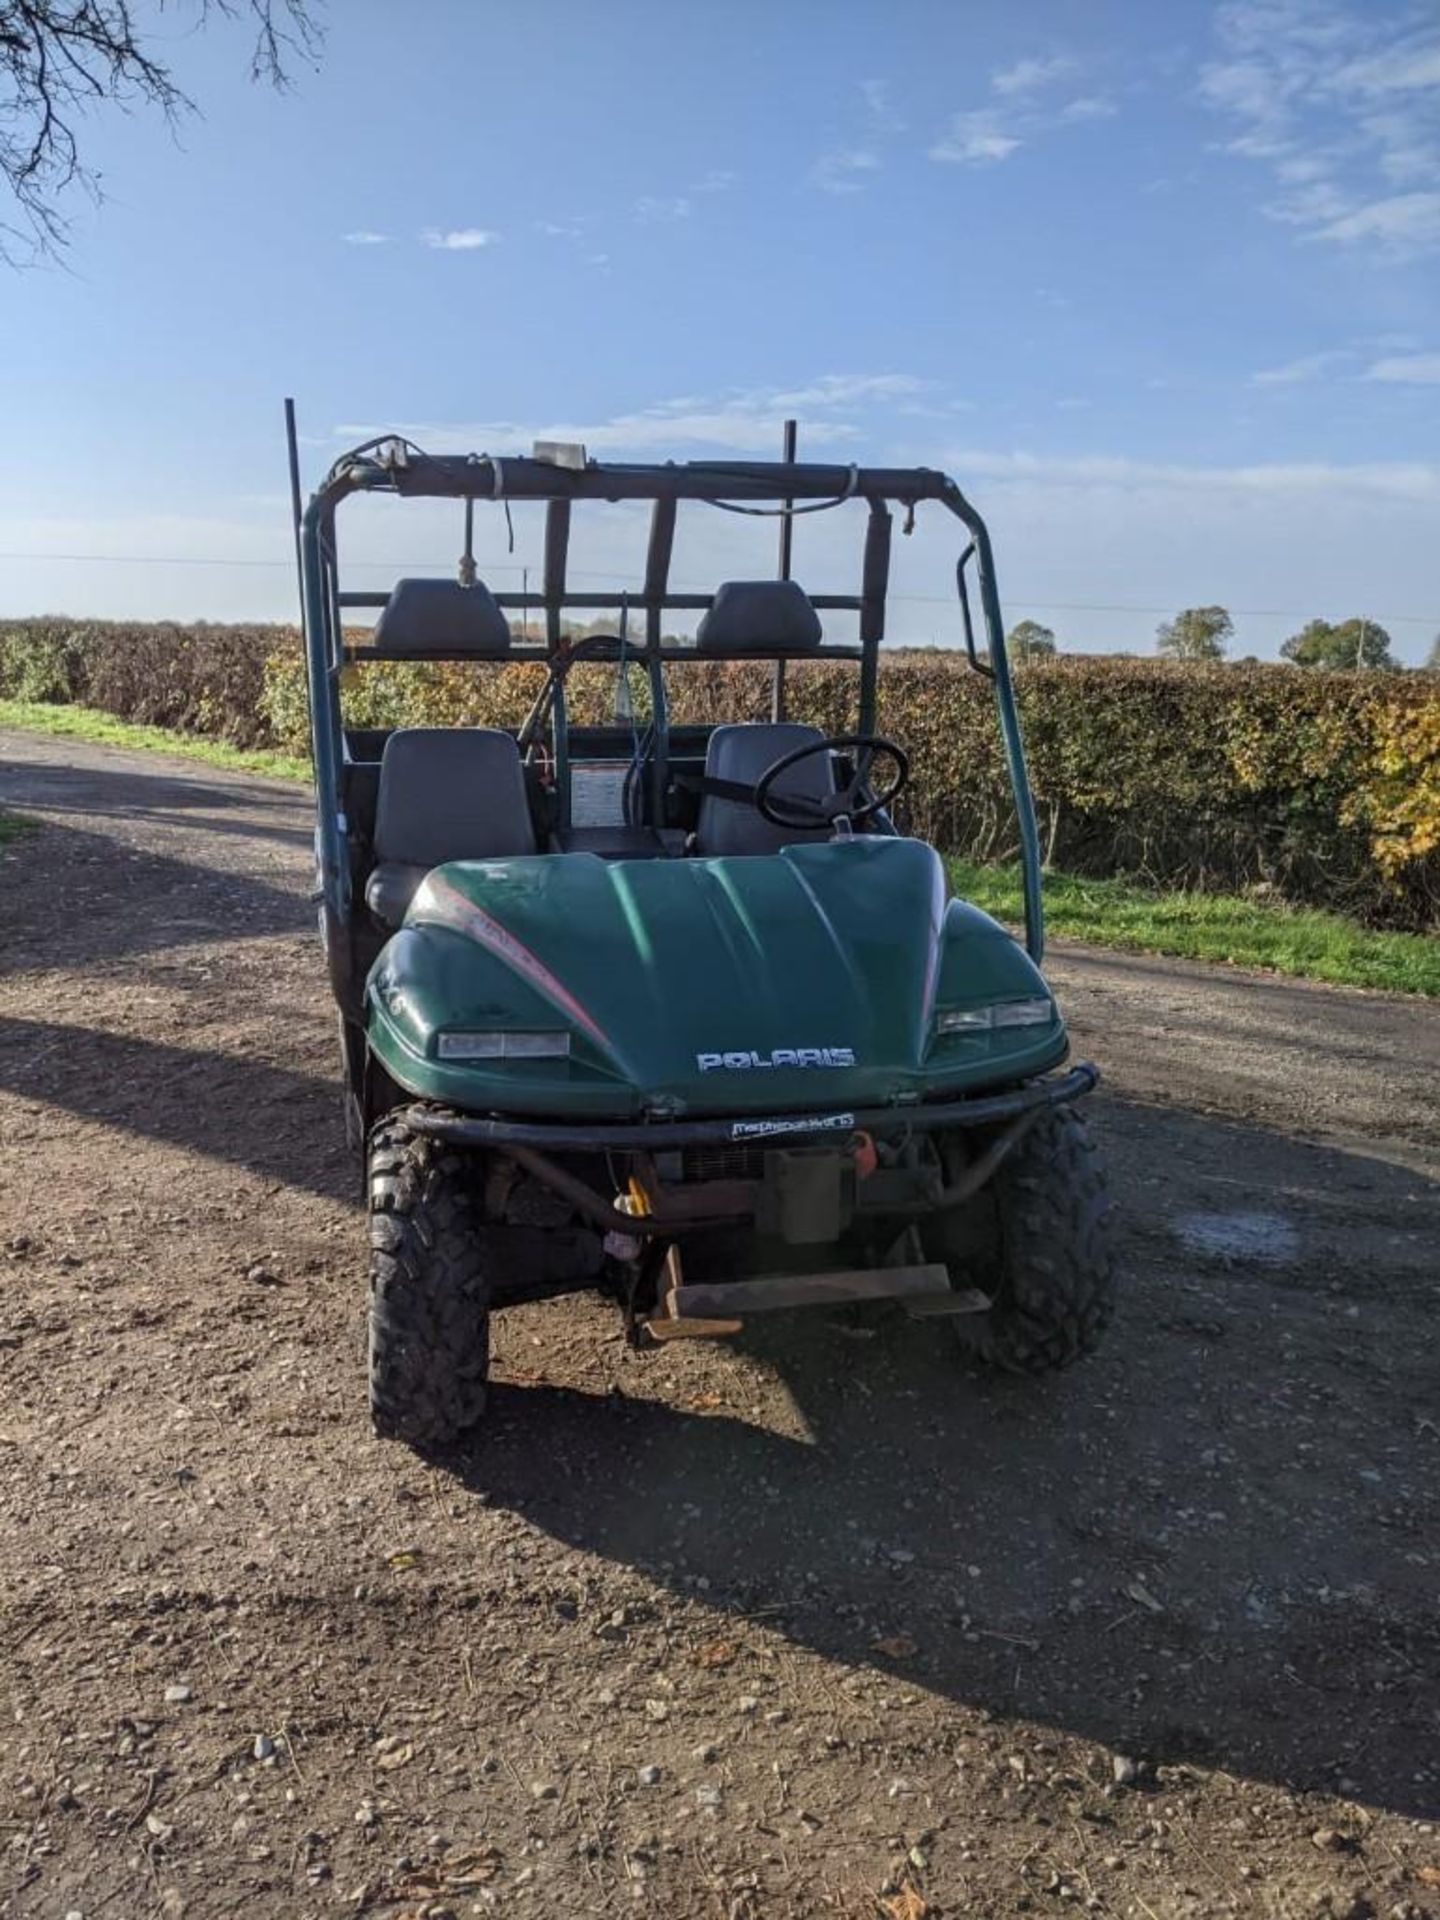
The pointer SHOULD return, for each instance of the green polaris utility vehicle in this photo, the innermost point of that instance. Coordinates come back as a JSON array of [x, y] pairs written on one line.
[[676, 1012]]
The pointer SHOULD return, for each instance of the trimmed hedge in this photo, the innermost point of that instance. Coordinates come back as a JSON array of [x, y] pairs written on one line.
[[203, 678], [1320, 787]]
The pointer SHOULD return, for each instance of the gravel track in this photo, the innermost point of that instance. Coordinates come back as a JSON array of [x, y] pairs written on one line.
[[821, 1623]]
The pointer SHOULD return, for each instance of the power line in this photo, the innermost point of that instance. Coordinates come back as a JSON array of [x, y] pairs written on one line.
[[214, 560], [199, 560], [505, 566], [1243, 613]]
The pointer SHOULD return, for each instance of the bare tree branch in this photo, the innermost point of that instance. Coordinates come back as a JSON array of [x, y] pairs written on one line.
[[59, 58]]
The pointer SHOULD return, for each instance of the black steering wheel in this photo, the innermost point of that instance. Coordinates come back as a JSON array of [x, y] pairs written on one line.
[[849, 803]]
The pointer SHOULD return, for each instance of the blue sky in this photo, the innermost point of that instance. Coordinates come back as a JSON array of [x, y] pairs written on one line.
[[1157, 283]]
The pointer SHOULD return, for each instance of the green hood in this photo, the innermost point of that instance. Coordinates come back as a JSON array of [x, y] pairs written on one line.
[[806, 980]]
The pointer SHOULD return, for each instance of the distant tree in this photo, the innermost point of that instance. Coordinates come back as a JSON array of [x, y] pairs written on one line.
[[58, 58], [1432, 659], [1353, 643], [1028, 640], [1199, 633]]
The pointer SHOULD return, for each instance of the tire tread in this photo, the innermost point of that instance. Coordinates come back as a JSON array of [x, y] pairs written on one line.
[[1055, 1291], [429, 1291]]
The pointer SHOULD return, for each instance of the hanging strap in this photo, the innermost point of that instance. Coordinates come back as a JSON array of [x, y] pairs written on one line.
[[847, 492]]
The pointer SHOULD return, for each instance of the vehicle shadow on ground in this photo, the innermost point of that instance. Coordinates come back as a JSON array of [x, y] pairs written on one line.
[[196, 804], [69, 901], [1210, 1542], [280, 1123]]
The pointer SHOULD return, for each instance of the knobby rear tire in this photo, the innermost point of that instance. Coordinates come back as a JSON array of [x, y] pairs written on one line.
[[1054, 1285], [429, 1291]]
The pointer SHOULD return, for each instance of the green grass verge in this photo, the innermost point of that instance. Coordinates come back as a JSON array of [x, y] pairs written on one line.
[[1303, 941], [89, 723], [12, 825]]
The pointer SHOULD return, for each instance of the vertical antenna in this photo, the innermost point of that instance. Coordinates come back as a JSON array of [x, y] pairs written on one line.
[[787, 529], [293, 445], [787, 523]]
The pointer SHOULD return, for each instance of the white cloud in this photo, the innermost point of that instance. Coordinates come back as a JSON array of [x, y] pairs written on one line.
[[560, 229], [1411, 370], [1308, 367], [653, 210], [1341, 105], [1405, 156], [736, 429], [975, 139], [1391, 342], [748, 421], [459, 239], [843, 167], [717, 180], [1090, 106], [1404, 225], [1397, 479], [1244, 87], [837, 171], [1027, 76], [880, 107], [1295, 169], [364, 237], [1401, 69], [845, 389], [983, 135]]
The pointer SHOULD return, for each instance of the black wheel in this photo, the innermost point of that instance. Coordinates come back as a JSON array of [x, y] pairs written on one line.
[[1047, 1261], [429, 1291]]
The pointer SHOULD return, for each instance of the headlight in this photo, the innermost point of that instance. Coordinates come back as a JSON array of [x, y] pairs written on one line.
[[963, 1020], [503, 1046], [1001, 1013]]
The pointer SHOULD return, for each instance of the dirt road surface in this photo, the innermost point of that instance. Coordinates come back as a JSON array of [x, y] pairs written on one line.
[[819, 1624]]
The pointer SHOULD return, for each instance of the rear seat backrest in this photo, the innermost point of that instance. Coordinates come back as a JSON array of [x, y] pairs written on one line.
[[766, 617], [441, 617]]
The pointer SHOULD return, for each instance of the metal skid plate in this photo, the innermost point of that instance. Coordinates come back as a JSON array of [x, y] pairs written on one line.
[[713, 1311], [924, 1292]]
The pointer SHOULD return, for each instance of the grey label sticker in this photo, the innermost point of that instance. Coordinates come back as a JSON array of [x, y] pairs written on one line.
[[802, 1123]]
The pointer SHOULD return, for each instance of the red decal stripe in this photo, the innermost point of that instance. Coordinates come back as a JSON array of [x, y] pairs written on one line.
[[445, 904]]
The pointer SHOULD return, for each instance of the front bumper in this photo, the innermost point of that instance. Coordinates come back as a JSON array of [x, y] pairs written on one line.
[[600, 1136]]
